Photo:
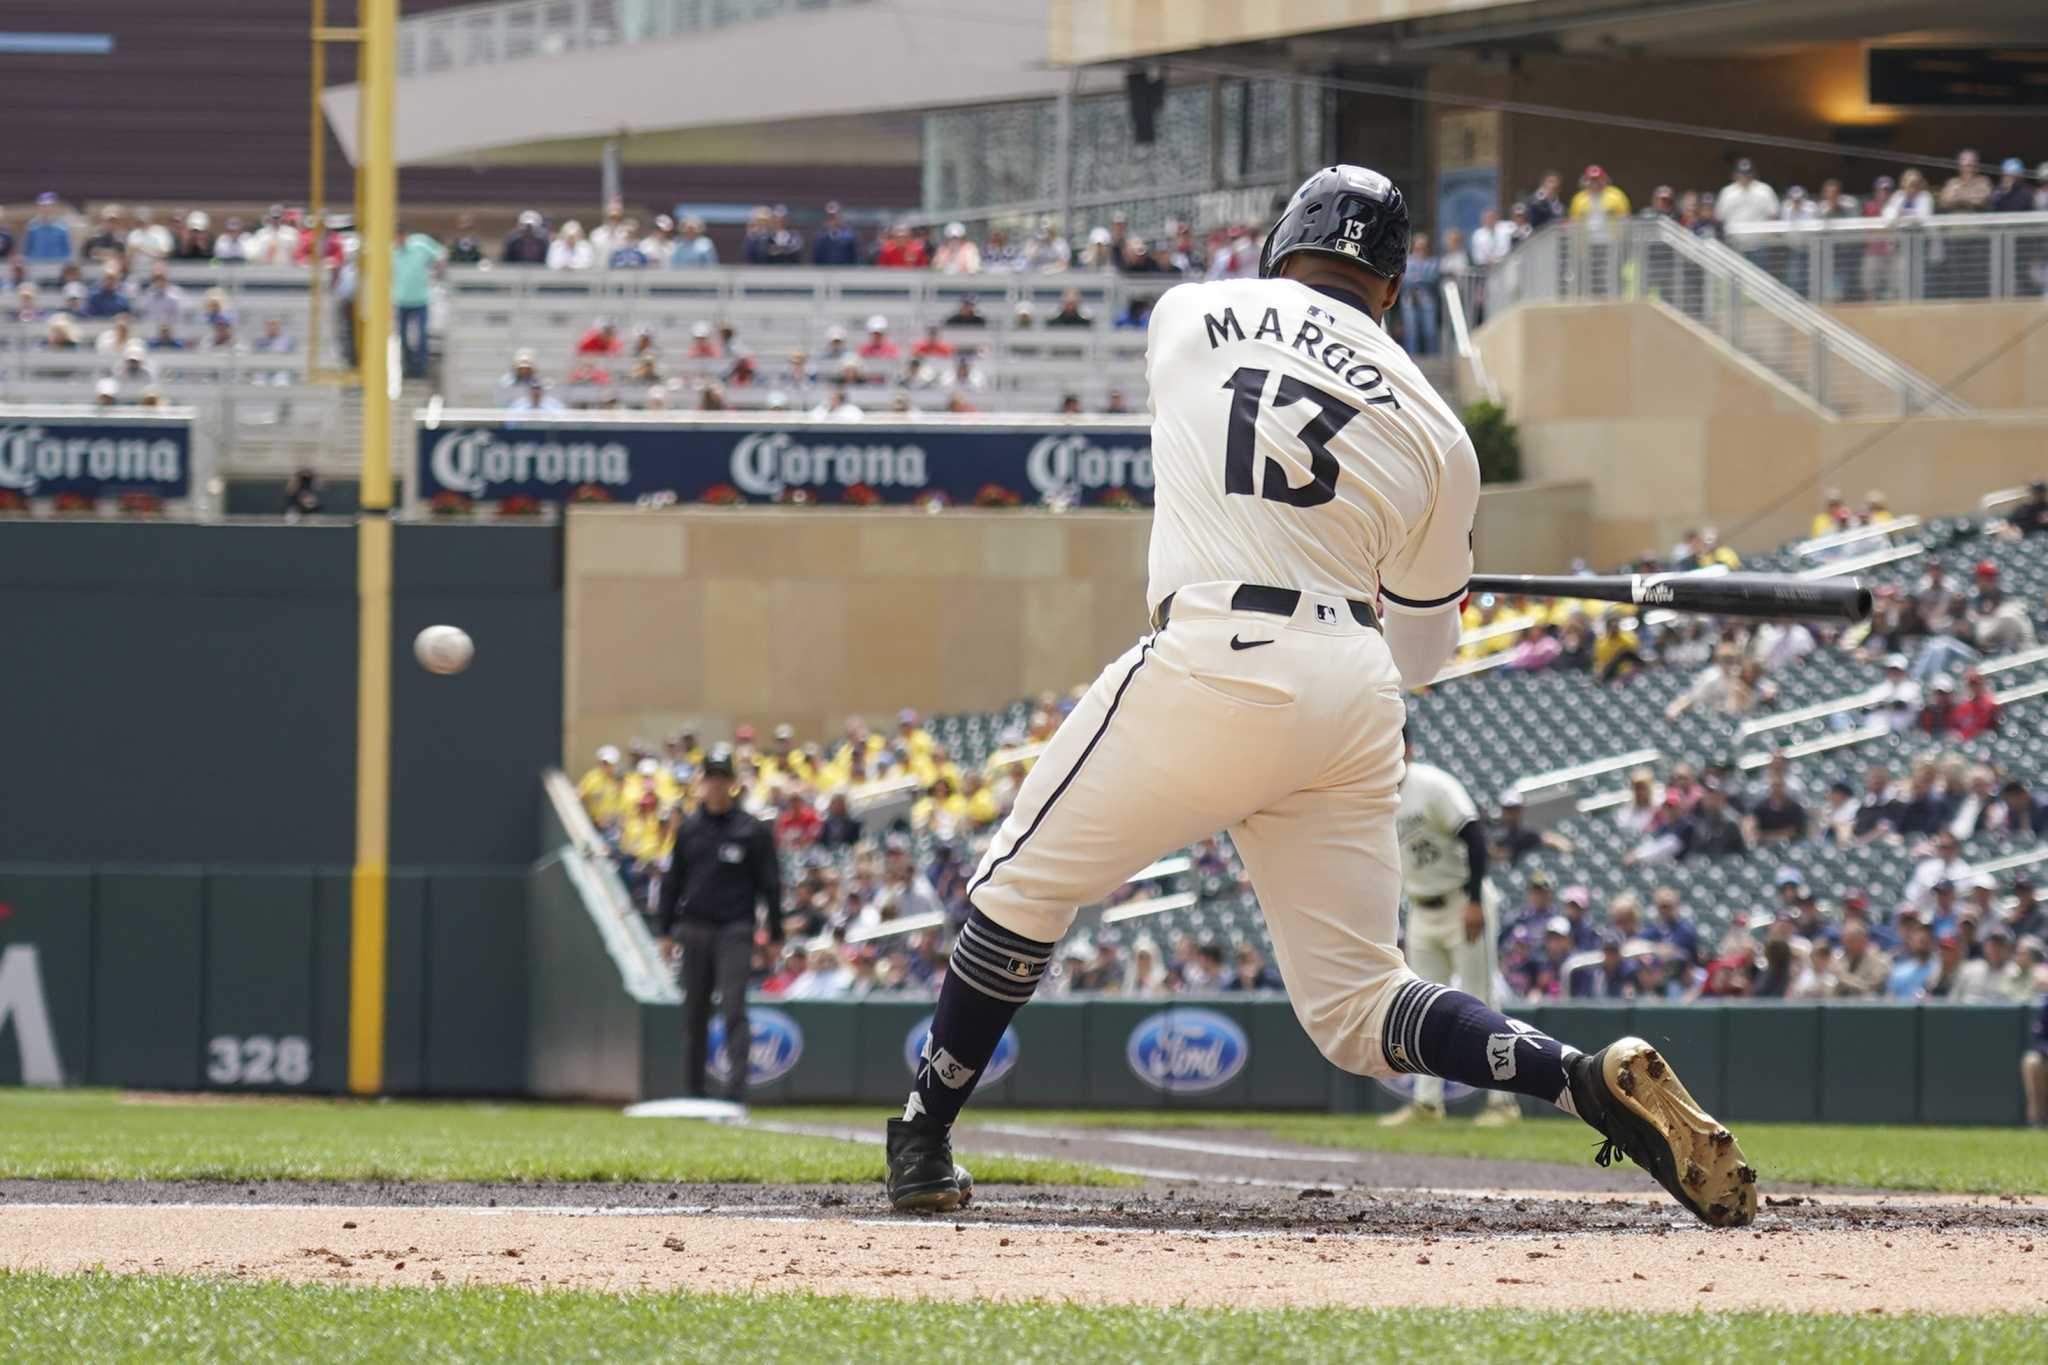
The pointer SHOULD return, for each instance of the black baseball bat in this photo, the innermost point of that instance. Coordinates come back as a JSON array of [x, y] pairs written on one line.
[[1732, 594]]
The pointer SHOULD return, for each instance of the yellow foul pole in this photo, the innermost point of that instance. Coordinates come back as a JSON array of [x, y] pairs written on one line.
[[376, 222]]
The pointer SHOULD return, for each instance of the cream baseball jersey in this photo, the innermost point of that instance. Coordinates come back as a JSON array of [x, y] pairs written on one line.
[[1295, 444], [1434, 807]]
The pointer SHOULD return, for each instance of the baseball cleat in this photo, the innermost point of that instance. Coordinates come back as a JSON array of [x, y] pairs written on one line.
[[1632, 1098], [1411, 1114], [922, 1177], [1498, 1116]]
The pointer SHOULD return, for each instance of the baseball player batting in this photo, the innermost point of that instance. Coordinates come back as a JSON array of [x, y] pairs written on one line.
[[1311, 542], [1453, 914]]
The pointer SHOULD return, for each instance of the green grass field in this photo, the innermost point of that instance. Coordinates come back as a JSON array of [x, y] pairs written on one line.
[[99, 1135], [116, 1318]]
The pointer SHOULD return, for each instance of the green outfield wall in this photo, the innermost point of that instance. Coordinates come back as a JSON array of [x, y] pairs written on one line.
[[235, 978]]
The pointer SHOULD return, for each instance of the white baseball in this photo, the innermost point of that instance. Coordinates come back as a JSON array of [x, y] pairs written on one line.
[[443, 649]]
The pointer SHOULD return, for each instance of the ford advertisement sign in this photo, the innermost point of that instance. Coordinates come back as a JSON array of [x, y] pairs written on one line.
[[1187, 1051], [778, 1045], [564, 459], [998, 1065], [95, 456]]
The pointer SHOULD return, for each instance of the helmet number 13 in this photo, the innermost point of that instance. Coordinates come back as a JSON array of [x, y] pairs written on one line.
[[1247, 388]]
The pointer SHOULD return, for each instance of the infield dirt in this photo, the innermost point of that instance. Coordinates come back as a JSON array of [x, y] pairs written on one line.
[[1258, 1226]]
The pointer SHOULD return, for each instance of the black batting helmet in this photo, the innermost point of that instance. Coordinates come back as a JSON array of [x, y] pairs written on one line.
[[1345, 211]]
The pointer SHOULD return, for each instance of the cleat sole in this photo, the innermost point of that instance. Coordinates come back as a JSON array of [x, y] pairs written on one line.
[[1719, 1185]]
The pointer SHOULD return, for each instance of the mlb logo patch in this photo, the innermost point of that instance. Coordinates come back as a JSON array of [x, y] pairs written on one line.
[[1325, 613]]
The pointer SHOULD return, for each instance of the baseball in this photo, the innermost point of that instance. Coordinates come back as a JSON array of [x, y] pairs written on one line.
[[443, 649]]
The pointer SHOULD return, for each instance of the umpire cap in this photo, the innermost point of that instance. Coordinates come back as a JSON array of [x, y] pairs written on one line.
[[1345, 211]]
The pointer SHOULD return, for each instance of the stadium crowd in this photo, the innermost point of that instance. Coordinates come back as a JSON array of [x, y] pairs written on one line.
[[877, 827], [69, 272]]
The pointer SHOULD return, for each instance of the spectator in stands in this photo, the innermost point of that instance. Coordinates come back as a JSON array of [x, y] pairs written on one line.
[[467, 248], [1746, 199], [1861, 970], [2012, 194], [835, 243], [902, 249], [1546, 205], [1996, 622], [1598, 199], [159, 301], [7, 243], [693, 249], [109, 241], [1638, 815], [571, 250], [2027, 917], [1611, 978], [1969, 190], [113, 341], [195, 240], [785, 243], [1925, 809], [61, 334], [2017, 814], [602, 339], [1543, 975], [528, 242], [878, 345], [1421, 297], [165, 339], [1978, 711], [1994, 978], [1894, 702], [415, 258], [1711, 831], [534, 398], [614, 232], [1249, 971], [148, 241], [1943, 864], [1616, 651], [26, 308], [1047, 251], [108, 298], [1071, 313], [1237, 257], [933, 346], [838, 407], [1779, 817], [1713, 689], [1910, 203], [1512, 841], [47, 237], [966, 313], [1672, 926], [957, 255]]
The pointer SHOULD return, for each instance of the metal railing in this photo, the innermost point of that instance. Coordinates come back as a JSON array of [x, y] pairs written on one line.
[[520, 30], [1965, 256], [1724, 294]]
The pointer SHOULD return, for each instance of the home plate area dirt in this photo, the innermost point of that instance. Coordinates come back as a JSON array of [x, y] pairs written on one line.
[[1166, 1244]]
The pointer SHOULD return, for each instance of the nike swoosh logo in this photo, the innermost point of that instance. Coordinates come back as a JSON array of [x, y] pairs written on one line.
[[1236, 643]]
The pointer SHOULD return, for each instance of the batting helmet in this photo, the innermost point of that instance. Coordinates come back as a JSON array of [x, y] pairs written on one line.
[[1346, 211]]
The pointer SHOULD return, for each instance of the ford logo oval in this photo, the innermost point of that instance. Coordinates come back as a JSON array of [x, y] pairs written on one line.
[[998, 1065], [1187, 1051], [778, 1045]]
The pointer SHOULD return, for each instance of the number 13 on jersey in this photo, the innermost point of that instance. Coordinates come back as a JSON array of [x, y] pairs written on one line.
[[1247, 388]]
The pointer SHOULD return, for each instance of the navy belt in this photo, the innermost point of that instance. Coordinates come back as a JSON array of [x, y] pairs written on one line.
[[1268, 601]]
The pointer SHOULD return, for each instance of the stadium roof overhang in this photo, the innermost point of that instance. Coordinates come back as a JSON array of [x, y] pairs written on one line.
[[841, 84]]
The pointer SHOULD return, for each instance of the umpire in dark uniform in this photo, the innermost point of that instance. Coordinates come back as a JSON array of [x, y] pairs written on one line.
[[723, 867]]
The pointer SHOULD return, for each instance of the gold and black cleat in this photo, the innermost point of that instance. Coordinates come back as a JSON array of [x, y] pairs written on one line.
[[1633, 1099]]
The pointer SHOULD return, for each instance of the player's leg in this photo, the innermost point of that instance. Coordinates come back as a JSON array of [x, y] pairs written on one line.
[[699, 978], [1477, 958], [2034, 1077], [735, 954], [1168, 745], [1430, 957], [1323, 864]]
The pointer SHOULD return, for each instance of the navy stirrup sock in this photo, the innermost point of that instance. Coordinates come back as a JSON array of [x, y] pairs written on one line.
[[1437, 1031], [991, 974]]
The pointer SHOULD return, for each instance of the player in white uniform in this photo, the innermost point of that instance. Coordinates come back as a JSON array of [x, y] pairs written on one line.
[[1311, 543], [1453, 914]]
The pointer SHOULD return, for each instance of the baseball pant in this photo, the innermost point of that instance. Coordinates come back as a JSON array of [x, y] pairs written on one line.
[[1285, 731], [716, 957], [1439, 951]]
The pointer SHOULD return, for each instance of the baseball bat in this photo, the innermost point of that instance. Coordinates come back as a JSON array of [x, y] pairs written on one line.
[[1733, 594]]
